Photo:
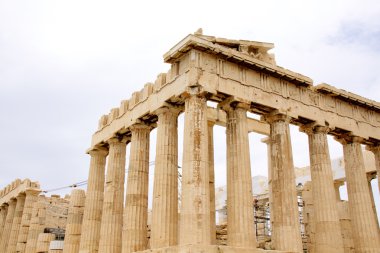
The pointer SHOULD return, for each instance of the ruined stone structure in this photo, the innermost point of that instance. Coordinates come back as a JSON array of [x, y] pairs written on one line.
[[240, 76], [25, 214]]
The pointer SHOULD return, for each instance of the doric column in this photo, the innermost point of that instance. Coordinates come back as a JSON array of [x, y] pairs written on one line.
[[365, 230], [286, 234], [30, 199], [89, 240], [240, 222], [37, 224], [11, 248], [164, 225], [195, 197], [267, 140], [43, 242], [376, 151], [8, 225], [3, 216], [74, 221], [112, 214], [136, 201], [328, 236], [210, 131], [371, 176]]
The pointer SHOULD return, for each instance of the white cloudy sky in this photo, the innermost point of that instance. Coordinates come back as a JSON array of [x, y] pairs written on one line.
[[65, 63]]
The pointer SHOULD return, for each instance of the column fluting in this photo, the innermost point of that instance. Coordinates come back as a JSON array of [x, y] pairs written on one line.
[[136, 200], [365, 230], [11, 248], [3, 216], [286, 234], [376, 151], [112, 213], [240, 222], [195, 196], [164, 227], [328, 236], [30, 199], [8, 225], [92, 217], [210, 131], [37, 224], [74, 221]]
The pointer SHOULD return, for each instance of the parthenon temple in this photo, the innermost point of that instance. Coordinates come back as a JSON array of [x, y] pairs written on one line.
[[241, 78]]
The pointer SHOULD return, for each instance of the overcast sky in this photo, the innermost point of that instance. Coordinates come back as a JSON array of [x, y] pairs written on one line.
[[65, 63]]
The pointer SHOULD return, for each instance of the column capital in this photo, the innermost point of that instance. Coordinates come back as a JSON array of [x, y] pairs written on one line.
[[338, 183], [211, 123], [275, 117], [115, 140], [21, 195], [32, 192], [232, 103], [348, 139], [314, 128], [175, 111], [140, 126], [195, 90], [371, 175], [373, 148], [102, 151]]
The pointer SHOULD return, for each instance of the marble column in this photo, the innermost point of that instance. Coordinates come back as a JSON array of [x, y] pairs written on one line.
[[210, 131], [3, 216], [371, 176], [30, 199], [267, 140], [286, 234], [112, 213], [89, 240], [8, 225], [37, 224], [328, 236], [366, 234], [11, 248], [136, 201], [74, 221], [164, 227], [240, 222], [195, 197], [376, 151]]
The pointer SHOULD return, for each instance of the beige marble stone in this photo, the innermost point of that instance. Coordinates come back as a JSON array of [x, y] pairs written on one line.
[[74, 221], [43, 242], [210, 131], [366, 231], [241, 231], [136, 201], [8, 225], [195, 201], [37, 224], [89, 241], [112, 214], [12, 243], [286, 234], [191, 248], [217, 69], [30, 199], [376, 152], [3, 216], [164, 225], [328, 236]]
